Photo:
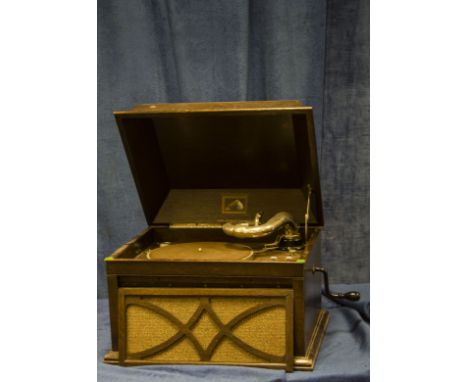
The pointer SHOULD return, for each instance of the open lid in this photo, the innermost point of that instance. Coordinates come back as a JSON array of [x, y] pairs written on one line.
[[208, 163]]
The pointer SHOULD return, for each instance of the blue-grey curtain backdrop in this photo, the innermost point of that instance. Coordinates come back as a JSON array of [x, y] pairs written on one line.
[[316, 51]]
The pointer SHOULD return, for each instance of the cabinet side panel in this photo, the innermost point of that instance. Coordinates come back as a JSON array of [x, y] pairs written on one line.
[[112, 287], [312, 290]]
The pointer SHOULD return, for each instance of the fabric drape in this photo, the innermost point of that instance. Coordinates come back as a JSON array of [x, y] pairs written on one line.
[[153, 51]]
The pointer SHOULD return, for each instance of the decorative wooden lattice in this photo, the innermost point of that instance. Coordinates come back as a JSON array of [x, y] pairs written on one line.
[[220, 326]]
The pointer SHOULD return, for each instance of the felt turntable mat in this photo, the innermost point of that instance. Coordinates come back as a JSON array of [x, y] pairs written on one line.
[[199, 251]]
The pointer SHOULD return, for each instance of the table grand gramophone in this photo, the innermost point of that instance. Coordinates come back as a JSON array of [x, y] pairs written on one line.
[[210, 281]]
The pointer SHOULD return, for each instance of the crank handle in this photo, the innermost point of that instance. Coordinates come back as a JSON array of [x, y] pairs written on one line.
[[350, 296]]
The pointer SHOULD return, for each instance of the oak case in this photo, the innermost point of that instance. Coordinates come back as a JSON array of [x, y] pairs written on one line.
[[189, 161]]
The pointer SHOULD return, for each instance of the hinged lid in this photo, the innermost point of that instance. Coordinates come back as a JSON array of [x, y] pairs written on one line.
[[208, 163]]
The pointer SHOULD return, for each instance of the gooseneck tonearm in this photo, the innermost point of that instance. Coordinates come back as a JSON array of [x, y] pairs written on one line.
[[288, 237], [256, 229]]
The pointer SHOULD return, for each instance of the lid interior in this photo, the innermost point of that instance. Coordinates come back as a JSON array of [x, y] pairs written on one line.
[[188, 166]]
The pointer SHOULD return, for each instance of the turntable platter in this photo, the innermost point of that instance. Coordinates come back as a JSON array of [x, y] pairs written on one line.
[[200, 251]]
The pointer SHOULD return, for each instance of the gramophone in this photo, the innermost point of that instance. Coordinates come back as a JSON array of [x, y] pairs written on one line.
[[228, 270]]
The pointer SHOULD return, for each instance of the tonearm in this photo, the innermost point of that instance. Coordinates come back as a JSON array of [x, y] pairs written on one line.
[[282, 221], [256, 229], [288, 237]]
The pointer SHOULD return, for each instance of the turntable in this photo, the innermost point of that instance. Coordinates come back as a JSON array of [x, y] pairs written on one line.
[[228, 270]]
